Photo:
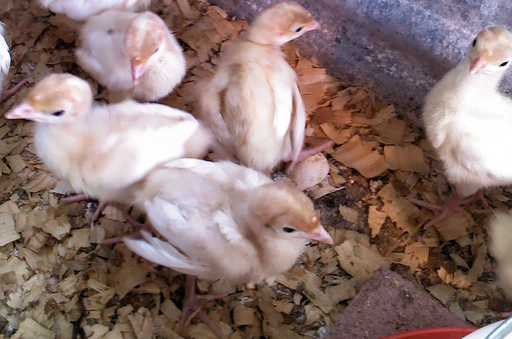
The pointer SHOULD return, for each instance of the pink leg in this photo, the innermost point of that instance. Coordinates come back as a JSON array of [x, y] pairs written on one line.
[[76, 198], [448, 206], [82, 197], [118, 240], [98, 211], [192, 302], [136, 234], [13, 90], [305, 153]]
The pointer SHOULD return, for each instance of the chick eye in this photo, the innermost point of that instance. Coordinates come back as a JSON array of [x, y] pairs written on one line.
[[474, 42], [58, 113], [288, 230], [156, 50], [503, 64], [299, 29]]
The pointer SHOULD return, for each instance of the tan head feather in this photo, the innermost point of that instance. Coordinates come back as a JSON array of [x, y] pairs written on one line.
[[58, 98], [281, 22]]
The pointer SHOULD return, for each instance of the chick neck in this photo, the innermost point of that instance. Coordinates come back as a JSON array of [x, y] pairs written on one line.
[[259, 37], [477, 82]]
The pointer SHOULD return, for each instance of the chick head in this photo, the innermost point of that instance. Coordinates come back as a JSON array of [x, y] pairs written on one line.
[[491, 51], [281, 22], [142, 42], [57, 99], [286, 213]]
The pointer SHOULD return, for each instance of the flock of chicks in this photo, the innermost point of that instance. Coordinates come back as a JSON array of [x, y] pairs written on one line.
[[221, 220]]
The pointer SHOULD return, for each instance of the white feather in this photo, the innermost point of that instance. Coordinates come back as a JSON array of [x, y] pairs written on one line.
[[162, 253], [5, 56], [227, 226], [83, 9], [500, 238], [298, 124]]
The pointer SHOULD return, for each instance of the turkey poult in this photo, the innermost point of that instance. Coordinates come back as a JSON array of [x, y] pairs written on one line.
[[469, 122], [223, 221], [103, 149], [252, 103], [134, 55]]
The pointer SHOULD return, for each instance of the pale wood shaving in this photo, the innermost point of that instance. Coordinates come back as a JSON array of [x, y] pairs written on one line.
[[353, 154], [349, 214], [359, 261], [376, 219], [406, 215], [31, 329], [7, 229], [408, 158]]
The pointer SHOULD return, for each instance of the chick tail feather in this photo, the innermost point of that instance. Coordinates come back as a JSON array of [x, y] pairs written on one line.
[[163, 253]]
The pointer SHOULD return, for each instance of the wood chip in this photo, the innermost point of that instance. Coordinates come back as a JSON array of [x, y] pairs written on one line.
[[353, 154], [407, 158], [348, 214], [405, 214], [31, 329], [7, 229], [376, 219], [359, 261], [455, 226], [58, 227]]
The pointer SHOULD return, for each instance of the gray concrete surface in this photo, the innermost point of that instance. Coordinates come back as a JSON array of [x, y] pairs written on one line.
[[396, 48]]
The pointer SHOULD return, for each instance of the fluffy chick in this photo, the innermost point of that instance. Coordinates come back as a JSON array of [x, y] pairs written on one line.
[[103, 149], [252, 103], [468, 121], [5, 63], [500, 236], [134, 55], [80, 10], [223, 221]]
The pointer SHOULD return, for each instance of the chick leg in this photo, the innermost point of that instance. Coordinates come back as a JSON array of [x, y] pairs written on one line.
[[82, 197], [448, 206], [13, 90], [137, 234], [76, 198], [305, 153], [192, 304]]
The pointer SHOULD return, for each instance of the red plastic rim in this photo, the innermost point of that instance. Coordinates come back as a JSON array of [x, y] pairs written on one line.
[[435, 333]]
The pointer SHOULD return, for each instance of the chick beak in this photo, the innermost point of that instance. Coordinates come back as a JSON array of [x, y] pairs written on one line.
[[320, 234], [477, 65], [314, 26], [138, 69], [22, 111]]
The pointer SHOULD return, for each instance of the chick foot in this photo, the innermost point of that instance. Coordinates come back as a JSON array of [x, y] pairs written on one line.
[[13, 90], [305, 153], [192, 304], [448, 206], [136, 235], [82, 197]]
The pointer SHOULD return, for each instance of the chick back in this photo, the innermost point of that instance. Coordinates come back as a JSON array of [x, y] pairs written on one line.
[[248, 103]]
